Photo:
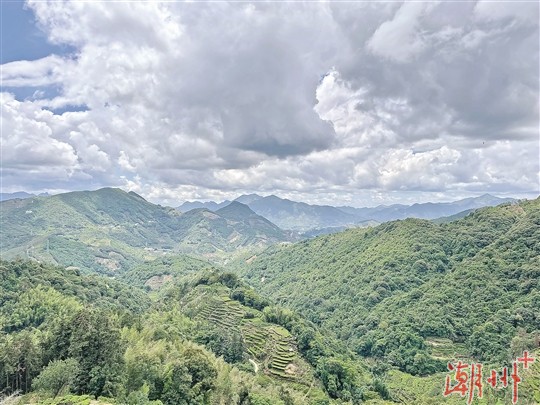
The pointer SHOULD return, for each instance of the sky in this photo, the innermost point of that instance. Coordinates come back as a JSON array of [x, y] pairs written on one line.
[[342, 103]]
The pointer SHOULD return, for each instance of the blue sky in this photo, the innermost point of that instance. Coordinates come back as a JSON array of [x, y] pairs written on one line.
[[21, 37], [336, 103], [23, 40]]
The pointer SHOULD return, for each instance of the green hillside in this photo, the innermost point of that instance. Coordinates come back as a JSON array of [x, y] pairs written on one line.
[[109, 230], [450, 218], [26, 287], [204, 232], [68, 339], [164, 271], [415, 294], [367, 315]]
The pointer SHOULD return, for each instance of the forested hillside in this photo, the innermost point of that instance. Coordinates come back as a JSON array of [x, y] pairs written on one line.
[[206, 339], [362, 316], [109, 231], [414, 294]]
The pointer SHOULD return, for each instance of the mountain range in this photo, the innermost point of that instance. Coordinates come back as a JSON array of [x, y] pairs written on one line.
[[304, 217], [19, 194], [321, 219], [109, 229], [367, 315]]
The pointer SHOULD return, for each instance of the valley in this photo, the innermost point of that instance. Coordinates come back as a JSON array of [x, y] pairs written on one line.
[[224, 306]]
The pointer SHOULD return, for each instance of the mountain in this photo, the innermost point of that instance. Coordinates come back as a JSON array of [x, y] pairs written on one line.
[[450, 218], [210, 205], [238, 212], [248, 198], [286, 214], [415, 294], [384, 213], [236, 226], [12, 196], [20, 195], [319, 219], [109, 230], [300, 216]]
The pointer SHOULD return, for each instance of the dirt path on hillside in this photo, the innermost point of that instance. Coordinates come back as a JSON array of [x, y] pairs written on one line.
[[255, 366]]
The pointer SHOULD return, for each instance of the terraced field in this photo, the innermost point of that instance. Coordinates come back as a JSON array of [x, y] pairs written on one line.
[[255, 339], [283, 353], [445, 349], [270, 346], [222, 311]]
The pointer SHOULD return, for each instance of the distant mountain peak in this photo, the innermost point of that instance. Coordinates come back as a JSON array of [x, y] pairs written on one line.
[[489, 197], [300, 216], [12, 196], [236, 210], [237, 204], [110, 190], [275, 197], [248, 198], [211, 205]]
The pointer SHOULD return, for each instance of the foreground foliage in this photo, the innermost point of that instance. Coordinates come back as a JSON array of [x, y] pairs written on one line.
[[63, 341]]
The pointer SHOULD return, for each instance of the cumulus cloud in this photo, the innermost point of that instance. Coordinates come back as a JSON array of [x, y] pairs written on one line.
[[314, 101], [399, 39], [41, 72]]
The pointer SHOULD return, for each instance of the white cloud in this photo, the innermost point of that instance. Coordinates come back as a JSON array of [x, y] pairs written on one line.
[[191, 100], [41, 72], [490, 10], [429, 170], [124, 162], [31, 155], [399, 39]]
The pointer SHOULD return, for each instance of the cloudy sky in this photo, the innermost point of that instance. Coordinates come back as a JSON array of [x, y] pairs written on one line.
[[342, 103]]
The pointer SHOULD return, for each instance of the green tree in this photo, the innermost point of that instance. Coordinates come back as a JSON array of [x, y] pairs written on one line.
[[19, 361], [57, 376], [222, 342], [95, 343], [91, 337], [190, 379], [339, 379]]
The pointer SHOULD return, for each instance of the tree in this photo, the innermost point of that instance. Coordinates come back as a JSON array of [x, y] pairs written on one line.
[[190, 379], [57, 376], [222, 342], [19, 361], [92, 338], [96, 343], [339, 379]]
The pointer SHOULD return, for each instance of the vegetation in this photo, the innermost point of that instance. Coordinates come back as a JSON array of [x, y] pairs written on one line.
[[362, 316], [158, 273], [194, 344], [393, 291], [109, 231]]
